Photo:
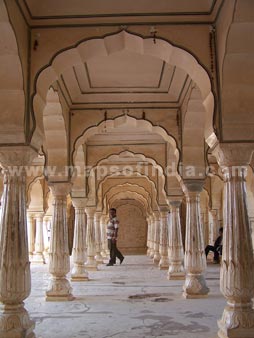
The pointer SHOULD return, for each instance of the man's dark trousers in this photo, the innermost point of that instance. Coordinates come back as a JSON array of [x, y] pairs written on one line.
[[114, 252]]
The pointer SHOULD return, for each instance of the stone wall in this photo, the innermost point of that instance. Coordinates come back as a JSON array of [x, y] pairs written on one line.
[[132, 229]]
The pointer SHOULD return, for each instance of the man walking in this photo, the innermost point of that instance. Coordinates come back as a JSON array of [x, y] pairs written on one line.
[[112, 232]]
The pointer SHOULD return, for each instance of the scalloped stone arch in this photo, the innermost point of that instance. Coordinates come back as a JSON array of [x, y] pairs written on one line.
[[56, 144], [12, 95], [35, 195], [131, 42], [121, 202], [99, 190], [120, 122], [129, 194], [127, 187], [193, 150], [91, 179]]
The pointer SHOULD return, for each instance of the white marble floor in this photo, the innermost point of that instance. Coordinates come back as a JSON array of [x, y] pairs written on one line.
[[132, 300]]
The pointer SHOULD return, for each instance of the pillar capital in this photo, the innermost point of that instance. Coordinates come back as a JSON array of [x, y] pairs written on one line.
[[60, 188], [17, 156], [156, 215], [97, 215], [193, 185], [233, 154], [175, 201], [39, 215], [164, 209], [79, 203], [90, 211]]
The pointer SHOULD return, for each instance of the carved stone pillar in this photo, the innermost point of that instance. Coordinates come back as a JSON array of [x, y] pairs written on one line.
[[148, 236], [79, 272], [15, 278], [38, 256], [175, 242], [90, 240], [59, 261], [97, 228], [194, 259], [156, 256], [237, 268], [30, 231], [205, 222], [104, 242], [152, 235], [215, 225], [45, 234], [163, 263]]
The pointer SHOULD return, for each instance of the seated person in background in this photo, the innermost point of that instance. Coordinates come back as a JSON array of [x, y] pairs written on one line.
[[216, 248]]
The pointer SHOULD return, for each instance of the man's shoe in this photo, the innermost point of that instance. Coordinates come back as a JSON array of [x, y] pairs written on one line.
[[109, 264], [121, 260]]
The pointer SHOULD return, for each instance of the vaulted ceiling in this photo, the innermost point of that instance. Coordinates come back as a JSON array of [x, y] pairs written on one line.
[[124, 77]]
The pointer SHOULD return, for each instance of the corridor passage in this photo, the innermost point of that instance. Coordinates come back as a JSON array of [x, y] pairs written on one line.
[[132, 300]]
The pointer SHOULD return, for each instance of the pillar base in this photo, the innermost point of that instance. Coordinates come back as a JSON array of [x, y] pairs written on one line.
[[234, 333], [91, 265], [163, 264], [15, 322], [237, 322], [195, 286], [151, 253], [59, 290], [176, 271], [176, 275], [38, 259], [79, 273], [156, 258], [104, 255], [59, 299], [99, 259], [187, 296]]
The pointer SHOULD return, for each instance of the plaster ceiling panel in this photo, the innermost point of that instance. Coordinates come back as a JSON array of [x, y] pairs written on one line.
[[124, 77], [58, 8], [126, 70]]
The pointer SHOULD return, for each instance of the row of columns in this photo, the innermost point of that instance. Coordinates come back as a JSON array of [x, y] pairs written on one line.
[[38, 227], [237, 273], [237, 269]]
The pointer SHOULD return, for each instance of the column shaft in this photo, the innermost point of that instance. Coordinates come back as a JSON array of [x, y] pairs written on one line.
[[98, 236], [152, 235], [156, 256], [163, 263], [59, 261], [237, 279], [38, 256], [175, 243], [90, 240], [15, 277], [79, 272], [31, 238], [194, 259]]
